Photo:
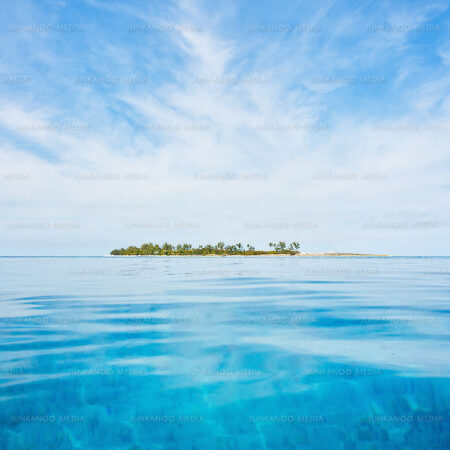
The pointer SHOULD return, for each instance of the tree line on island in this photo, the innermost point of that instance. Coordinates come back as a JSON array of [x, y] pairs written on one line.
[[204, 250]]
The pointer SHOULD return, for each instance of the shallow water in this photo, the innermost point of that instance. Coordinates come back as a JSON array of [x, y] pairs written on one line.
[[227, 353]]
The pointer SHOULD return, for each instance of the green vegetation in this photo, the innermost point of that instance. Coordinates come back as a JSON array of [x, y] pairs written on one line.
[[220, 249]]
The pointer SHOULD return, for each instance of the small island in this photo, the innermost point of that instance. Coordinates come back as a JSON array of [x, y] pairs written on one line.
[[220, 249]]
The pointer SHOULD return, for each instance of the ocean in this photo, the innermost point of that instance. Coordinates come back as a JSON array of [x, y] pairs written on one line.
[[224, 353]]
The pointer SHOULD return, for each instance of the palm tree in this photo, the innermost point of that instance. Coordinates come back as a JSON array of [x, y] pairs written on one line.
[[132, 250]]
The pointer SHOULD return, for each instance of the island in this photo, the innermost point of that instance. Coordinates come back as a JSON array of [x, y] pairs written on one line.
[[220, 249]]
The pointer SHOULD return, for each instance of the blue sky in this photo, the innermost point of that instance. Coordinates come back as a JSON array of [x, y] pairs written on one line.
[[322, 122]]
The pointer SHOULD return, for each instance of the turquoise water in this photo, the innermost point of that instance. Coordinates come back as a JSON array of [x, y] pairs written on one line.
[[226, 353]]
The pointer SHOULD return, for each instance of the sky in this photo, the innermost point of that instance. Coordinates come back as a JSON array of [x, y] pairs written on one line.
[[325, 122]]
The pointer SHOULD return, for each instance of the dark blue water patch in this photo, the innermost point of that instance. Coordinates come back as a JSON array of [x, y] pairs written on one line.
[[440, 311], [250, 292], [329, 295], [137, 308], [10, 330], [36, 299], [335, 322], [266, 281], [44, 345]]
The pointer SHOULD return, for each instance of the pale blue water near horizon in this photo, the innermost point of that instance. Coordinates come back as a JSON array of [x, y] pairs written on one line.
[[226, 353]]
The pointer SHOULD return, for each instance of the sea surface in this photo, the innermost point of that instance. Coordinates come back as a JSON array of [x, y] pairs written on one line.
[[224, 353]]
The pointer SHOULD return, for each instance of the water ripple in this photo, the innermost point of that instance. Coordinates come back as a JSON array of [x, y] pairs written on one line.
[[224, 353]]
